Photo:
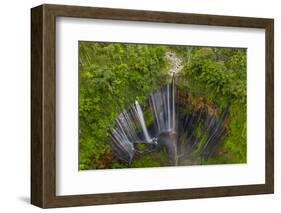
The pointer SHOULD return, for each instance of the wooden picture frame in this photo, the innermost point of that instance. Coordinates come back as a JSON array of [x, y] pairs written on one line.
[[43, 105]]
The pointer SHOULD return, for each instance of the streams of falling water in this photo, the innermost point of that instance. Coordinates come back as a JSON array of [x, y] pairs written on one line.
[[130, 127], [140, 117], [163, 107], [174, 131]]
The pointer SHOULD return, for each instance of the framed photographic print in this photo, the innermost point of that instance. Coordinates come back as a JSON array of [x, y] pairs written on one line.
[[136, 106]]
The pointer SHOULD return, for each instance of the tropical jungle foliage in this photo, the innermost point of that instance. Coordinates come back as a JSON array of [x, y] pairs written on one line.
[[113, 75], [219, 75]]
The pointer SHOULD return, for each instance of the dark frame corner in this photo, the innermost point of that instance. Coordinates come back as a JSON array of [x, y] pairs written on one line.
[[43, 112]]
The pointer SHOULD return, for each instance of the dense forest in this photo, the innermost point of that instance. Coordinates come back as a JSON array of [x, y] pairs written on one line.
[[114, 75]]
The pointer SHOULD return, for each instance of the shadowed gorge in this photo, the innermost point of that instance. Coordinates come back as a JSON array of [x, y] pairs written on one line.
[[191, 135]]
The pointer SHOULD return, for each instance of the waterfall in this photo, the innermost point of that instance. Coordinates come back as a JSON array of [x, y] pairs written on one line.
[[162, 103], [130, 128], [168, 110], [140, 117], [173, 124]]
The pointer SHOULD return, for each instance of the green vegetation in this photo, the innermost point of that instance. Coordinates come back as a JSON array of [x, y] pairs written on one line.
[[114, 75], [219, 75]]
